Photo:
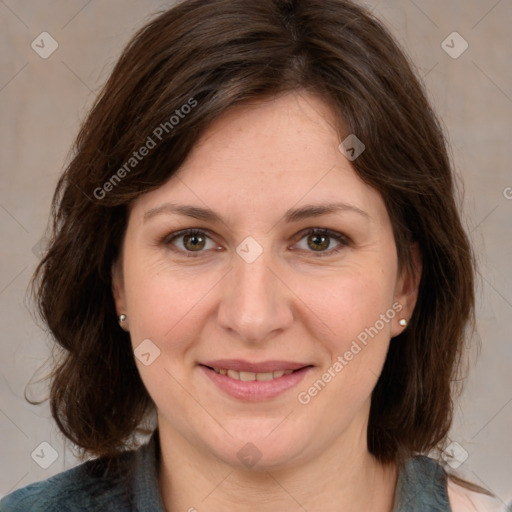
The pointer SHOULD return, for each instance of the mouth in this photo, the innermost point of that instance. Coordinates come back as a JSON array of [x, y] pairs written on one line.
[[251, 376], [254, 381]]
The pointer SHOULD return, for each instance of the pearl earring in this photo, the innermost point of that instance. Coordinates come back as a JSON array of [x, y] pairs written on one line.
[[122, 318], [403, 322]]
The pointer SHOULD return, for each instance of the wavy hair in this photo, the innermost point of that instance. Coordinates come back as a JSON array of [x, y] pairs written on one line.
[[213, 55]]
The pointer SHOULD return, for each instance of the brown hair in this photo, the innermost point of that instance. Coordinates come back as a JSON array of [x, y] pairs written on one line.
[[212, 55]]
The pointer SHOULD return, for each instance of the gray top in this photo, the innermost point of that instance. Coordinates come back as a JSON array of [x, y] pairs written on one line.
[[130, 484]]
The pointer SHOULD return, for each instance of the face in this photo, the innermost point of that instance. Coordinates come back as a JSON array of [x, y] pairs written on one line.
[[261, 289]]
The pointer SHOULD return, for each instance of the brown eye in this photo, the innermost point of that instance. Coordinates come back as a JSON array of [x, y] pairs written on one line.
[[318, 242], [190, 242], [323, 242], [194, 242]]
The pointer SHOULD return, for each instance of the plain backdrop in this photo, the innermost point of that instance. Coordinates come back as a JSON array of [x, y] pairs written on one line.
[[43, 101]]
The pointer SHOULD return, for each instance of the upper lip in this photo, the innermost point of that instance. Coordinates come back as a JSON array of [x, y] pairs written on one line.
[[245, 366]]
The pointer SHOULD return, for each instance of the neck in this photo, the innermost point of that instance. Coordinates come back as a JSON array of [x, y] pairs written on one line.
[[345, 477]]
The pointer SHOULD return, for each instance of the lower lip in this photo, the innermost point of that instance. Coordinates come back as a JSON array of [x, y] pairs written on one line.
[[255, 390]]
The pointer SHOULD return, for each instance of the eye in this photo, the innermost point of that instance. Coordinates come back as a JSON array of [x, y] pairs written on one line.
[[193, 242], [190, 241], [319, 240]]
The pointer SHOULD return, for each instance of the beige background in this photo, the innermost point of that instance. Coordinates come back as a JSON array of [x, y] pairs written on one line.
[[42, 102]]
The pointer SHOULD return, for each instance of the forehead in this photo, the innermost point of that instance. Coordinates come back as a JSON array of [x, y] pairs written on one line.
[[268, 156], [281, 136]]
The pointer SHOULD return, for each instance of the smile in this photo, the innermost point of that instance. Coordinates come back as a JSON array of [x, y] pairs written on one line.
[[254, 381], [250, 376]]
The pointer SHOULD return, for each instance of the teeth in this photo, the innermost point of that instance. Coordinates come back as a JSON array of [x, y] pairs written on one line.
[[251, 376], [234, 374], [264, 376]]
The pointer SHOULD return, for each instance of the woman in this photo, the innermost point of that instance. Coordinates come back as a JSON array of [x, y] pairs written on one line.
[[262, 199]]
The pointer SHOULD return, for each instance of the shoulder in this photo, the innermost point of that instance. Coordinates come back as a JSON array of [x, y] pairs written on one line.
[[421, 486], [90, 486], [424, 484], [466, 500]]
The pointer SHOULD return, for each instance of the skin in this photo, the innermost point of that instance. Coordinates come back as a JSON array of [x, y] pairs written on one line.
[[297, 302]]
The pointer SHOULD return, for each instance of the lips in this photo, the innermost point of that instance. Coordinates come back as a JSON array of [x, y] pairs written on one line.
[[250, 376], [254, 381], [240, 365]]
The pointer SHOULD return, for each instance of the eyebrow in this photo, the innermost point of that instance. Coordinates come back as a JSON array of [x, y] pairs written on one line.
[[292, 215]]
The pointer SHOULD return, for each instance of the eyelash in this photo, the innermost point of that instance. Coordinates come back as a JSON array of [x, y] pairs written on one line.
[[342, 239]]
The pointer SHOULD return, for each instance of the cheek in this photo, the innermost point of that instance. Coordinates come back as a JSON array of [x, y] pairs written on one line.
[[164, 302], [344, 306], [357, 313], [166, 308]]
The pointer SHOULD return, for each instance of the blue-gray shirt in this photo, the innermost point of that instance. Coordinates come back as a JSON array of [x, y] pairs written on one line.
[[131, 485]]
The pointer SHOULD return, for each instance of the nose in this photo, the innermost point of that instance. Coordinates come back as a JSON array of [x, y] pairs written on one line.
[[255, 302]]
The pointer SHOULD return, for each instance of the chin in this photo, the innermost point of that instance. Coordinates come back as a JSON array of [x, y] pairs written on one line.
[[257, 448]]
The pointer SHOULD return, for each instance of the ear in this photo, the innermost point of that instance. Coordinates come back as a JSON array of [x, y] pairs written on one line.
[[406, 289], [118, 292]]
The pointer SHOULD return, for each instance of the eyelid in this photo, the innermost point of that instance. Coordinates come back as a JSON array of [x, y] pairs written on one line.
[[187, 231]]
